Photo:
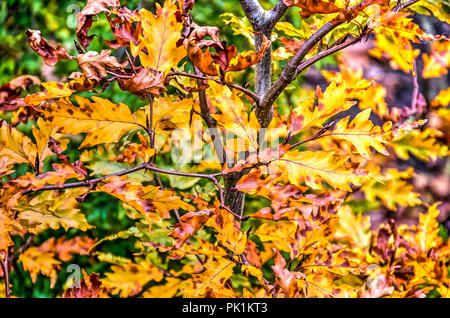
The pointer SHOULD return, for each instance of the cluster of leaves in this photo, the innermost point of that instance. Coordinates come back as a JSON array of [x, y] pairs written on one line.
[[309, 239]]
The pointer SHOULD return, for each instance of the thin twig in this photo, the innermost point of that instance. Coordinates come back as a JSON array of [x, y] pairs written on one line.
[[229, 84], [6, 274]]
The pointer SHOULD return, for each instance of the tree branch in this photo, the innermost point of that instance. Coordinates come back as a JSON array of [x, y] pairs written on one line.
[[326, 53], [249, 93], [274, 15], [253, 11]]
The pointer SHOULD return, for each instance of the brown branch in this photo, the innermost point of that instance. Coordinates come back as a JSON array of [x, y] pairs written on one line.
[[249, 93], [326, 53], [5, 264], [87, 183], [401, 6]]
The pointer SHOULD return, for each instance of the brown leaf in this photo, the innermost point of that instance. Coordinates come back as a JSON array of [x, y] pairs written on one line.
[[189, 224], [124, 28], [95, 65], [85, 18], [10, 92], [56, 148], [310, 7], [145, 82], [285, 279], [253, 254], [64, 249], [90, 287], [40, 45]]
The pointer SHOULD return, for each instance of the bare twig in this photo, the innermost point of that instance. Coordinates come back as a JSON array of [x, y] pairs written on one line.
[[249, 93], [6, 273]]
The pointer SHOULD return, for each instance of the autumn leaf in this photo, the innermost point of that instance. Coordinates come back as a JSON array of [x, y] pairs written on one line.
[[46, 211], [421, 144], [90, 287], [65, 248], [189, 224], [37, 262], [144, 83], [335, 99], [215, 275], [40, 45], [363, 134], [53, 90], [157, 46], [315, 167], [103, 120], [145, 199], [128, 280], [95, 65], [428, 229], [7, 225], [85, 18], [438, 61], [310, 7]]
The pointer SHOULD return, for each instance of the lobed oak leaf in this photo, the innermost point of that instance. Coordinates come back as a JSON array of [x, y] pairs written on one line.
[[157, 48], [336, 98], [189, 224], [85, 18], [421, 144], [53, 90], [229, 232], [94, 65], [354, 228], [315, 167], [65, 248], [52, 210], [428, 229], [90, 287], [126, 28], [225, 58], [145, 82], [102, 120], [145, 199], [134, 151], [215, 275], [362, 133], [392, 189], [129, 279], [7, 225], [40, 45], [37, 262], [310, 7]]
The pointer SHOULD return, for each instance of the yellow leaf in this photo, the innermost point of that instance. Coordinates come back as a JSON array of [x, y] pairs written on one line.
[[392, 189], [35, 261], [428, 229], [215, 276], [160, 35], [335, 99], [356, 228], [128, 280], [421, 144], [102, 120], [363, 135], [438, 61], [314, 167]]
